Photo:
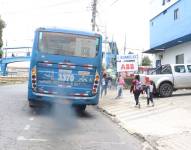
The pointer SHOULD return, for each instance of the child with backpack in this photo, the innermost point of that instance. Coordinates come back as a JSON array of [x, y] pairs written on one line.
[[150, 90], [136, 88]]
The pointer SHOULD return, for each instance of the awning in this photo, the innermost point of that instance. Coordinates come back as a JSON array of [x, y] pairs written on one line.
[[169, 44], [153, 51]]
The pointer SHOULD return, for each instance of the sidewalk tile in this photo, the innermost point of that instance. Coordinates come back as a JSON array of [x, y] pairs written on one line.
[[169, 120]]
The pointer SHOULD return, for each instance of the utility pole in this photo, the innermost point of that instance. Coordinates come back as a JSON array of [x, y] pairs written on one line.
[[125, 45], [94, 11]]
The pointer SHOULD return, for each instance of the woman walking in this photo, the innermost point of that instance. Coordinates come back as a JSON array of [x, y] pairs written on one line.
[[136, 88], [120, 85]]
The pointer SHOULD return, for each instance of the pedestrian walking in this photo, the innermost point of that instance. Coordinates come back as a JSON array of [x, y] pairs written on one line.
[[136, 88], [149, 92], [120, 85], [104, 83], [13, 55], [109, 79]]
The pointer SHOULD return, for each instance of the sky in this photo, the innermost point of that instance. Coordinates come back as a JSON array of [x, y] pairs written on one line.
[[115, 19]]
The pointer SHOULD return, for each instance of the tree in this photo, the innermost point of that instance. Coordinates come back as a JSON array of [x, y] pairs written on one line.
[[2, 25], [146, 61]]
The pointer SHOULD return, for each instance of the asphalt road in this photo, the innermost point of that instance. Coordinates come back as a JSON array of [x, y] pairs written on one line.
[[58, 127]]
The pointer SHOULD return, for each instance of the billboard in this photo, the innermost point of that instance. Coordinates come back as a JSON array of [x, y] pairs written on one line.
[[127, 63]]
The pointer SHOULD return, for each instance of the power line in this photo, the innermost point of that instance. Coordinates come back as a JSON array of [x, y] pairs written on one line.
[[44, 7], [100, 2], [114, 2]]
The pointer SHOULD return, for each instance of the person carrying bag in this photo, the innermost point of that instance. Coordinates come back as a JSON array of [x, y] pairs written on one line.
[[136, 88], [120, 85]]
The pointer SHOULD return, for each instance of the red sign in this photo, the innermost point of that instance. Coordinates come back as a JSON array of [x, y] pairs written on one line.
[[126, 66]]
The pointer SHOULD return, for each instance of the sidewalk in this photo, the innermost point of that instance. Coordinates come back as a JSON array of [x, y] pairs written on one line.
[[167, 126]]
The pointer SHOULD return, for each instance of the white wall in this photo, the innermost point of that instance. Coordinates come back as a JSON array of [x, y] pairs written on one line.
[[169, 55]]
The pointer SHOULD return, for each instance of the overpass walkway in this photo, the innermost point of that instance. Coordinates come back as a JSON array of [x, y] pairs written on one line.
[[12, 55]]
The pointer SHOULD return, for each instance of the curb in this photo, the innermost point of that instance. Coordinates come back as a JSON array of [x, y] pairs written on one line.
[[147, 143]]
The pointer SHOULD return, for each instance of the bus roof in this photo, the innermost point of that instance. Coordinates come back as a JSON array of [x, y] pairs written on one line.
[[68, 30]]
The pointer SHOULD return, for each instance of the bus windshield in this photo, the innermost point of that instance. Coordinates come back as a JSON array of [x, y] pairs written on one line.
[[68, 44]]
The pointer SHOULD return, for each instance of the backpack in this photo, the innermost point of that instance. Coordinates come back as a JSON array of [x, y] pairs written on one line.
[[138, 86]]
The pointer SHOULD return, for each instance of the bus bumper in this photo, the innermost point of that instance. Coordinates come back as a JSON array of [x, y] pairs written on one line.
[[74, 100]]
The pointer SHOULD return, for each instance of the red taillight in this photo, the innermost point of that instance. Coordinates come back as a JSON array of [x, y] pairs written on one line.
[[94, 91], [33, 81], [33, 78], [96, 83]]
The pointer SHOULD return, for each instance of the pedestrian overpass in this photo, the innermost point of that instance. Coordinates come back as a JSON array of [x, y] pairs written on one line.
[[12, 55]]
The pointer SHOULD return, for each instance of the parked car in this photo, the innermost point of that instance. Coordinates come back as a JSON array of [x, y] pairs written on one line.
[[169, 77]]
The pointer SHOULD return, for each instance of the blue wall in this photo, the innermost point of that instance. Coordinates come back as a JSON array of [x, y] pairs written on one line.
[[165, 28]]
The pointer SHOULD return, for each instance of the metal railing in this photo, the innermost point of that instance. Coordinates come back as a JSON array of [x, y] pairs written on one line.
[[16, 52], [11, 55]]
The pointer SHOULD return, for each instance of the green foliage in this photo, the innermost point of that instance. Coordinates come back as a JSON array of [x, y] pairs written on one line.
[[1, 53], [2, 25], [146, 61]]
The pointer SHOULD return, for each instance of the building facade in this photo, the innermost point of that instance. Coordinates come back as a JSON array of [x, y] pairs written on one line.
[[170, 31]]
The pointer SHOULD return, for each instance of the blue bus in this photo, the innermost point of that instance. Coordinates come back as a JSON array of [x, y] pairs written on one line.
[[65, 65]]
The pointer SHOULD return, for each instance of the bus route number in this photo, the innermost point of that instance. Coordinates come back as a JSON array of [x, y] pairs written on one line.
[[66, 76]]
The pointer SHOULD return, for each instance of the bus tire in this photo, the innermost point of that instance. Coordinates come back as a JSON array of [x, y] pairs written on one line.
[[81, 107], [165, 90], [33, 103]]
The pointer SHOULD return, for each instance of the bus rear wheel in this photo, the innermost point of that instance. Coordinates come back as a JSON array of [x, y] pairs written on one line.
[[34, 103], [80, 107]]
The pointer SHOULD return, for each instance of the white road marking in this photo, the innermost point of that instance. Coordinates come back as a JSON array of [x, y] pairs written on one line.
[[27, 127], [22, 138]]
